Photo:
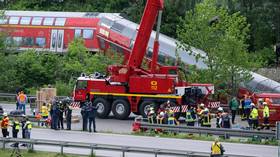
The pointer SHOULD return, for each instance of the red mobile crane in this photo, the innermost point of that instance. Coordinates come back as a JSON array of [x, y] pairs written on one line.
[[130, 88]]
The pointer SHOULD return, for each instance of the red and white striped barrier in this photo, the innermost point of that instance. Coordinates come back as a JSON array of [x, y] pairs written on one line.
[[214, 104], [75, 105]]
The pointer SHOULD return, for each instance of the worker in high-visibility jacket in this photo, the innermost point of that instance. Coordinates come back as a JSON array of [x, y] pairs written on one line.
[[28, 127], [171, 120], [206, 118], [254, 117], [15, 131], [45, 114], [4, 125], [200, 111], [190, 116], [217, 149], [151, 115], [265, 115]]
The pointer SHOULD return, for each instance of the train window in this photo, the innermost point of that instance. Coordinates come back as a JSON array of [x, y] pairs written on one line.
[[3, 20], [78, 33], [41, 42], [9, 41], [14, 20], [48, 21], [87, 33], [37, 21], [102, 43], [25, 20], [117, 27], [116, 48], [28, 41], [60, 21], [17, 41]]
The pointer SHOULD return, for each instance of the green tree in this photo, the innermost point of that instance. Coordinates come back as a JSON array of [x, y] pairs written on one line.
[[223, 37]]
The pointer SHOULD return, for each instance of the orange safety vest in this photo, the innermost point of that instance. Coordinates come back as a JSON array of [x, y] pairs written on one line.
[[22, 98], [5, 123]]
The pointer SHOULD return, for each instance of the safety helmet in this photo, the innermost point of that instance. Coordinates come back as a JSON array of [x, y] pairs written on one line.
[[202, 105], [206, 110], [161, 114], [264, 103], [220, 109], [151, 108], [5, 114], [168, 102], [252, 104]]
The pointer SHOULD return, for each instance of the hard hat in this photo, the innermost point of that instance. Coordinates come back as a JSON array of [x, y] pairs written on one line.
[[201, 105], [206, 110], [264, 103], [161, 113], [5, 114], [252, 104], [220, 109], [151, 108], [168, 101]]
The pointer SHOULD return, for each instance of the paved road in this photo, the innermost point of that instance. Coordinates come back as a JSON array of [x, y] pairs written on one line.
[[103, 125], [151, 142], [120, 126]]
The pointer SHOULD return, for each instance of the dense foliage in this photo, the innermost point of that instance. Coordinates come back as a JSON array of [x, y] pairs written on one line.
[[31, 70], [223, 37]]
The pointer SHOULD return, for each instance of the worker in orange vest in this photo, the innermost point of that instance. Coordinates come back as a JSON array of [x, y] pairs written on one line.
[[4, 125]]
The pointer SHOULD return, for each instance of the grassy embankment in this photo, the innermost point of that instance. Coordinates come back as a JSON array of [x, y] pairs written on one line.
[[8, 152], [209, 138]]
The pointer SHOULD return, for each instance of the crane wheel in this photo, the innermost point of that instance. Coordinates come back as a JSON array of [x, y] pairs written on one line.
[[104, 107], [121, 109], [145, 105]]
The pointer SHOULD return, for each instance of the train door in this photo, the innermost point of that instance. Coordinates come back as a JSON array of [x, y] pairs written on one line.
[[57, 37]]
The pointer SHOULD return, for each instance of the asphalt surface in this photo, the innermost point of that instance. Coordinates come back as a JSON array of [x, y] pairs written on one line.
[[124, 126], [139, 141], [109, 125]]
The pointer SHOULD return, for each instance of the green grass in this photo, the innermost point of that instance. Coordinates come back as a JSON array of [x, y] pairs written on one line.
[[24, 153], [208, 138]]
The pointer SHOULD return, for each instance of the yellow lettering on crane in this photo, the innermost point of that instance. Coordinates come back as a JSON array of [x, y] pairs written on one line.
[[154, 85]]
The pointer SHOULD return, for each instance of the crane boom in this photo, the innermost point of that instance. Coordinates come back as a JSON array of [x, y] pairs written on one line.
[[146, 26]]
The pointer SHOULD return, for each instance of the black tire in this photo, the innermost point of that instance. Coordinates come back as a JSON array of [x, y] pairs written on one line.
[[121, 109], [104, 107], [145, 105]]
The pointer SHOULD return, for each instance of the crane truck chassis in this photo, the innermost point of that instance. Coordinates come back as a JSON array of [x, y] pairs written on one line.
[[130, 88]]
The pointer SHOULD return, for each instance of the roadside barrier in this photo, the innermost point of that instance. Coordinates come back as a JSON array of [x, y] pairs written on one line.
[[207, 131], [94, 146]]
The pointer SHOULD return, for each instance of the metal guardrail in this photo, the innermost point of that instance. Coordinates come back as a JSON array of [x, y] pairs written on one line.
[[212, 131], [12, 96], [107, 147], [20, 117]]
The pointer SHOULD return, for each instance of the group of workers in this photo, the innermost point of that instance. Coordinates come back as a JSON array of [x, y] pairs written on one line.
[[200, 115], [57, 110], [250, 112], [88, 112], [25, 124]]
